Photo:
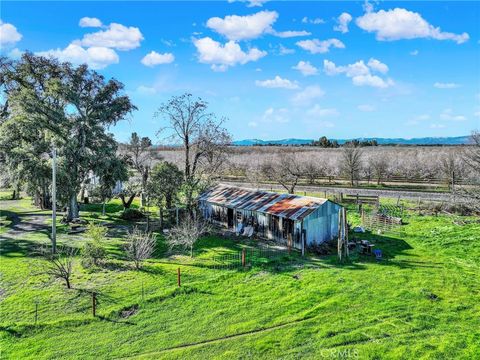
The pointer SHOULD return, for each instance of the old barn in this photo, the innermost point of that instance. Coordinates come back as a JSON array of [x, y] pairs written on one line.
[[285, 218]]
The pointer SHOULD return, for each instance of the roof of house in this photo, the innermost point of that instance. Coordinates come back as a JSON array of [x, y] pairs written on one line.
[[288, 206]]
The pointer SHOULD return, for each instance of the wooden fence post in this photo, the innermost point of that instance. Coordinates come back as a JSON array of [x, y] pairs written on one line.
[[178, 277], [243, 257]]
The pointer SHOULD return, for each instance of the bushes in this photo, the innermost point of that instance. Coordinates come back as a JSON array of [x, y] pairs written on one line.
[[131, 214], [93, 252]]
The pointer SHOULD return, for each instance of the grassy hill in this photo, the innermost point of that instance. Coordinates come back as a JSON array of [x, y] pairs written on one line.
[[421, 301]]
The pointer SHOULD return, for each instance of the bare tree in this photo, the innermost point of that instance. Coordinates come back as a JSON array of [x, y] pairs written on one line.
[[187, 233], [141, 155], [202, 136], [471, 195], [139, 246], [352, 162], [58, 266], [450, 169], [380, 167], [285, 169]]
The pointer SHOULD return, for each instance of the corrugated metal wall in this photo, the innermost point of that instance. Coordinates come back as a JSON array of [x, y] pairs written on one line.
[[322, 224], [319, 226]]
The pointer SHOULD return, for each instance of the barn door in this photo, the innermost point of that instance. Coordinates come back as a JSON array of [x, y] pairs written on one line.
[[230, 218]]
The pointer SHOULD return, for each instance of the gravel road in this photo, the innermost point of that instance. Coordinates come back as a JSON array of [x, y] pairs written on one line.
[[403, 194]]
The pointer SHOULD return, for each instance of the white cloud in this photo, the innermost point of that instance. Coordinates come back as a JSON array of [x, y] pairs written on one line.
[[89, 22], [15, 53], [8, 34], [371, 80], [282, 50], [235, 27], [360, 72], [306, 96], [305, 68], [276, 115], [116, 36], [316, 46], [440, 85], [400, 23], [414, 52], [377, 65], [290, 33], [366, 108], [251, 3], [315, 21], [146, 90], [437, 126], [422, 117], [448, 114], [252, 124], [277, 82], [96, 57], [342, 22], [318, 112], [153, 58], [476, 114], [222, 56]]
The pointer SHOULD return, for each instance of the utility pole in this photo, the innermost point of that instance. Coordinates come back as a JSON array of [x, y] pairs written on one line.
[[54, 200]]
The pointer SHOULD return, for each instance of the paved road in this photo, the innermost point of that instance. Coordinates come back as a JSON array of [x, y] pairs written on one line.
[[404, 194]]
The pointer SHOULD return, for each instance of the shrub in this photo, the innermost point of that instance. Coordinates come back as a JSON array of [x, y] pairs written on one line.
[[93, 251], [131, 214], [139, 246]]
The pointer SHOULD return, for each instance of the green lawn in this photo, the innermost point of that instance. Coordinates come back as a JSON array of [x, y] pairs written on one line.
[[421, 301]]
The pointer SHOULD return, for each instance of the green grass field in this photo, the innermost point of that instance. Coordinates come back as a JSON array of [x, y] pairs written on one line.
[[421, 301]]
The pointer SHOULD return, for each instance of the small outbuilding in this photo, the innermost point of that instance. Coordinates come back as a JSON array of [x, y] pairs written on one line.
[[298, 221]]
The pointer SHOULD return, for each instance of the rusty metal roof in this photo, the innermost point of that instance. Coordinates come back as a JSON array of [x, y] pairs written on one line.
[[287, 206]]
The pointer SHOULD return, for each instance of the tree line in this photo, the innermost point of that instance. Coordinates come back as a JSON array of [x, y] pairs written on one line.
[[49, 104]]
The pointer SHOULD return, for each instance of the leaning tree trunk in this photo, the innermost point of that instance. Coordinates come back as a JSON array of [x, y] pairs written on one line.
[[72, 209], [127, 203]]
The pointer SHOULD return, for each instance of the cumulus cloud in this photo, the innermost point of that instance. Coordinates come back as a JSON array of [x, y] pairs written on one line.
[[153, 58], [377, 65], [282, 50], [319, 112], [290, 33], [277, 82], [316, 46], [276, 115], [116, 36], [414, 52], [96, 57], [342, 22], [89, 22], [306, 96], [251, 3], [448, 114], [9, 34], [360, 73], [235, 27], [222, 56], [440, 85], [305, 68], [366, 108], [252, 124], [15, 53], [398, 23], [314, 21]]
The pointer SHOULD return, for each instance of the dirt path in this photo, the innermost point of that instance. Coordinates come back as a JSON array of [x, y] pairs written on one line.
[[224, 338], [24, 221]]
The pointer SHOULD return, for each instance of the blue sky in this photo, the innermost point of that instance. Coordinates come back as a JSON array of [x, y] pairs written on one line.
[[274, 69]]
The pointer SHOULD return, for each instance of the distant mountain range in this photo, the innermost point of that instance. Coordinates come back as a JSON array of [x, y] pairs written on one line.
[[454, 140]]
